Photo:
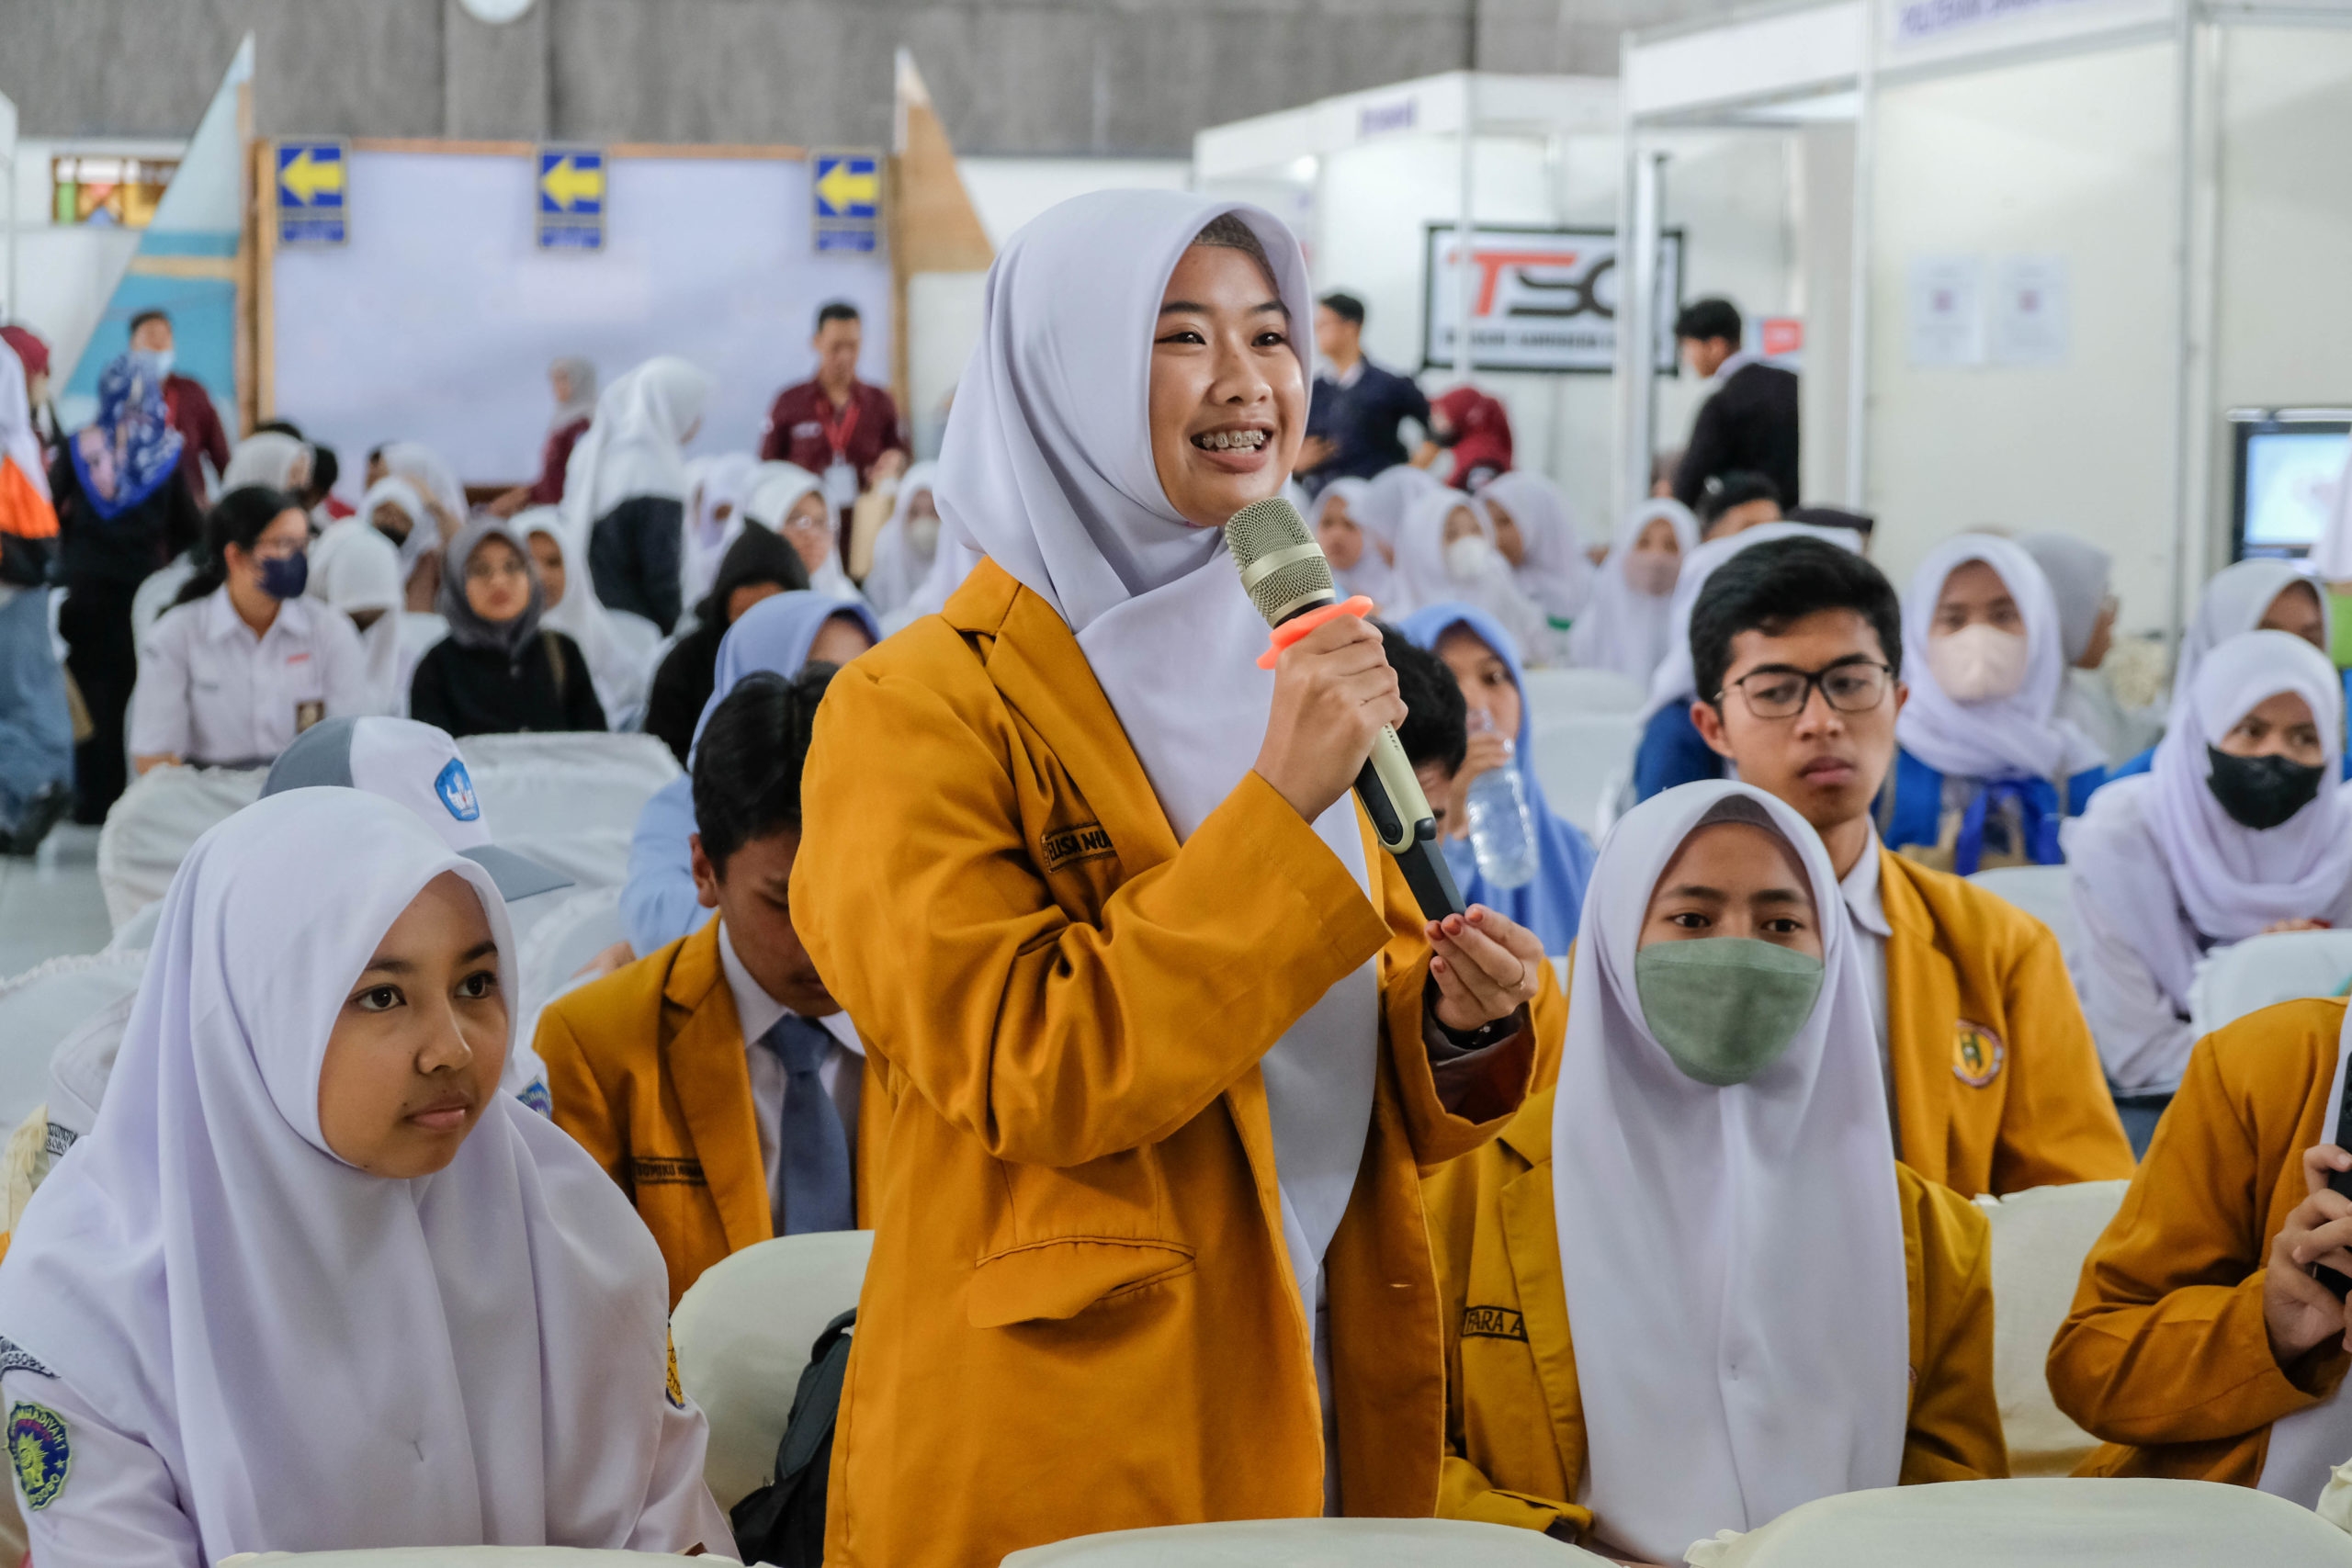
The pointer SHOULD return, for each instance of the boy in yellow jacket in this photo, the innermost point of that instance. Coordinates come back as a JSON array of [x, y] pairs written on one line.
[[1996, 1084], [716, 1079]]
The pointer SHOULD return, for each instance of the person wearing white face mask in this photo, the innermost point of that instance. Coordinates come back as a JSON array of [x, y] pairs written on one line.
[[1446, 554], [1986, 769], [908, 544], [1626, 624]]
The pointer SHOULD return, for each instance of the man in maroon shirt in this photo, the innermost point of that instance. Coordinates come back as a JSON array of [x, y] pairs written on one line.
[[836, 426], [188, 405]]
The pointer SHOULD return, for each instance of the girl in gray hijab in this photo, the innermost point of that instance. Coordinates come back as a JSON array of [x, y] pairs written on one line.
[[499, 671]]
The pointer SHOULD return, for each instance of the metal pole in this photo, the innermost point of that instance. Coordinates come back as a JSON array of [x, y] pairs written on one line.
[[1637, 323], [1858, 282], [2183, 328], [1466, 275]]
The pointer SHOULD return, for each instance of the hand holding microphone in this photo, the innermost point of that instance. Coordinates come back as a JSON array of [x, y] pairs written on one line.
[[1333, 692]]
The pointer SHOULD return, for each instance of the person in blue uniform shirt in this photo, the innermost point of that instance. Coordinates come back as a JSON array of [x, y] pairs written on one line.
[[1352, 423]]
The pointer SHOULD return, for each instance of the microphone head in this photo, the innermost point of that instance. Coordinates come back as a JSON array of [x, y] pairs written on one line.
[[1281, 567]]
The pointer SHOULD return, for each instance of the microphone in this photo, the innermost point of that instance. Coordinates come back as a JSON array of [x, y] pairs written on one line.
[[1286, 576], [2341, 1182]]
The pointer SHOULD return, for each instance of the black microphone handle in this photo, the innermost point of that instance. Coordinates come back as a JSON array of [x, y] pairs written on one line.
[[2342, 1182], [1406, 828]]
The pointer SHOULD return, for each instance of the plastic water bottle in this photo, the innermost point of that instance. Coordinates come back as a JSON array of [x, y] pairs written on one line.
[[1502, 828]]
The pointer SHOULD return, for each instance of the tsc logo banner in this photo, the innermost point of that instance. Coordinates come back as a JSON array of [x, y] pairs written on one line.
[[1059, 847], [1493, 1323]]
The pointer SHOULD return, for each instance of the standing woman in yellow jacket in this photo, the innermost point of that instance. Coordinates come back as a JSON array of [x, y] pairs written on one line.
[[1165, 1039], [1767, 1308]]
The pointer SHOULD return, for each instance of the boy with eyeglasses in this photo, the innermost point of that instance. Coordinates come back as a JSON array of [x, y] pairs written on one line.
[[1994, 1080]]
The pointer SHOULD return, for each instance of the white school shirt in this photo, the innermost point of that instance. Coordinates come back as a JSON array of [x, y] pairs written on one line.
[[841, 1072], [1867, 904], [210, 691]]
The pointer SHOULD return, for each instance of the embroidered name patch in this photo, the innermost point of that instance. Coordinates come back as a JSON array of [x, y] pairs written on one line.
[[1976, 1054], [1493, 1323], [40, 1450], [1059, 847], [658, 1170], [15, 1358]]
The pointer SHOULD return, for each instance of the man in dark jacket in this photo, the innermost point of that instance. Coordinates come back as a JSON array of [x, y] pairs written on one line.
[[1750, 423], [1352, 422]]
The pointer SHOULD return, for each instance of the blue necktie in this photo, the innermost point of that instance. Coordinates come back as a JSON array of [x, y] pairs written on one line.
[[818, 1195]]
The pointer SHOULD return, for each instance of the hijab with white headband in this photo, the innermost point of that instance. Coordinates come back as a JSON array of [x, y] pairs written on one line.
[[1049, 466], [2307, 1445], [2017, 736], [2172, 871], [768, 499], [1432, 571], [631, 448], [1371, 575], [2234, 602], [712, 483], [323, 1359], [901, 560], [1732, 1257], [268, 457], [434, 480], [620, 677], [1676, 679], [1624, 627], [1557, 573]]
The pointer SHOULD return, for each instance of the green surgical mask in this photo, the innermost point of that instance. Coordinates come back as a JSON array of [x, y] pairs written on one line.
[[1725, 1008]]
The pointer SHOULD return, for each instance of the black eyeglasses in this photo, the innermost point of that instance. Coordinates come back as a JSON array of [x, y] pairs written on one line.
[[1857, 686]]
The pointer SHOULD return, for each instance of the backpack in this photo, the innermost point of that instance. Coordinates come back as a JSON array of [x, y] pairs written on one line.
[[784, 1522]]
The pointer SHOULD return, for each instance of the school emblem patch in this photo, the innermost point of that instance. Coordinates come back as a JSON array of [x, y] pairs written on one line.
[[42, 1451], [678, 1393], [456, 788], [1976, 1054]]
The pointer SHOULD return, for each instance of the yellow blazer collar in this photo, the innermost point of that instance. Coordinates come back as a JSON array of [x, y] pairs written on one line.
[[706, 1067]]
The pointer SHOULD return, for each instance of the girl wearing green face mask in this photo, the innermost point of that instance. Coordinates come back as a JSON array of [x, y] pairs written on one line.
[[1718, 1163]]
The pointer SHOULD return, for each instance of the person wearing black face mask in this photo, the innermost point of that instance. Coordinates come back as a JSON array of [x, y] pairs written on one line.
[[2240, 828], [242, 663]]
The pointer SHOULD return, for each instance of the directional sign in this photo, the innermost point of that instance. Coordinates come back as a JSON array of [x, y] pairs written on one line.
[[847, 190], [570, 198], [311, 193]]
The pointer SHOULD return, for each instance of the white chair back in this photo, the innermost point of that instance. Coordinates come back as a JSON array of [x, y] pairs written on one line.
[[1310, 1543], [40, 1007], [570, 800], [2040, 1239], [462, 1557], [743, 1332], [2045, 1523], [2043, 892], [1577, 756], [1567, 694], [157, 820], [555, 936], [2262, 971]]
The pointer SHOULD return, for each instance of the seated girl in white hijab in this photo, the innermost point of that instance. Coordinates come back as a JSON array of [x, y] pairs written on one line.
[[1357, 564], [907, 543], [1628, 621], [311, 1283], [1690, 1288], [1986, 769], [622, 671], [1536, 530], [788, 500], [1447, 554], [2241, 828], [714, 516], [2081, 580]]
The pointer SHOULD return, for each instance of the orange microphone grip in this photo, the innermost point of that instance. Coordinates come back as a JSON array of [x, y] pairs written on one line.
[[1290, 631]]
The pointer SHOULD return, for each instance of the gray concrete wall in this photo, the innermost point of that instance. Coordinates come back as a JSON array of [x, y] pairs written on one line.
[[1010, 76]]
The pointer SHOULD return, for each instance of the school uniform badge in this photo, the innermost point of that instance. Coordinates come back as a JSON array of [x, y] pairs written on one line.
[[42, 1451], [1976, 1054]]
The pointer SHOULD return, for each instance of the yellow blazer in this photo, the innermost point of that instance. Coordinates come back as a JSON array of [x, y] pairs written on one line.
[[1080, 1315], [2165, 1354], [1515, 1438], [1998, 1084], [646, 1068]]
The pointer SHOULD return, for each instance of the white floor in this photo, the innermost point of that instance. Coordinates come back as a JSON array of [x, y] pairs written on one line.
[[50, 905]]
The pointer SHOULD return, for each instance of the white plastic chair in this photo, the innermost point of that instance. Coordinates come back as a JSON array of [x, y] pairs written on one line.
[[157, 820], [554, 942], [2264, 970], [743, 1332], [2045, 1523], [1310, 1543], [464, 1557], [1577, 756], [569, 800], [2043, 892], [41, 1007], [2040, 1239], [1566, 694]]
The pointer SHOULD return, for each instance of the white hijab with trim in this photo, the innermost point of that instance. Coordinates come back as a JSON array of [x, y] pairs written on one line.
[[324, 1358], [632, 445], [1623, 628], [1423, 577], [1556, 574], [2018, 735], [1048, 467], [1732, 1257]]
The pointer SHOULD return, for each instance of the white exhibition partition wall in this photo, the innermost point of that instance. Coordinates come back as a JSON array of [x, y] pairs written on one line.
[[437, 320]]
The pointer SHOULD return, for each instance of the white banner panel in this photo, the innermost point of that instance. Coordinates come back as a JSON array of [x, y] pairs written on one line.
[[1542, 299], [437, 321]]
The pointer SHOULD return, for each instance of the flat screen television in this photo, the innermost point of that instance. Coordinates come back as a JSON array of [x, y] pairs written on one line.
[[2289, 462]]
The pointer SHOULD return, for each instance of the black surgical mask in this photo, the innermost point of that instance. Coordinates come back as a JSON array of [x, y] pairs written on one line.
[[2261, 791]]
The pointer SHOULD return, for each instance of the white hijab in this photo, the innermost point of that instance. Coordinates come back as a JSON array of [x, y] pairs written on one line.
[[434, 479], [1423, 579], [620, 677], [1048, 467], [1676, 679], [899, 568], [631, 447], [2018, 735], [1556, 574], [1371, 575], [1622, 628], [324, 1358], [711, 483], [769, 497], [2236, 600], [949, 567], [2078, 572], [18, 443], [1732, 1257], [424, 534], [1387, 496], [2308, 1444], [2155, 850], [267, 458]]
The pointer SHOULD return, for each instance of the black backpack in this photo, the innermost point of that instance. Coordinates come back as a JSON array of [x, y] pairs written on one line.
[[784, 1522]]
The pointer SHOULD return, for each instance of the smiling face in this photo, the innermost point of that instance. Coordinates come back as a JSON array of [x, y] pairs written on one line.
[[1734, 879], [498, 583], [1228, 394], [418, 1045], [2278, 726]]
